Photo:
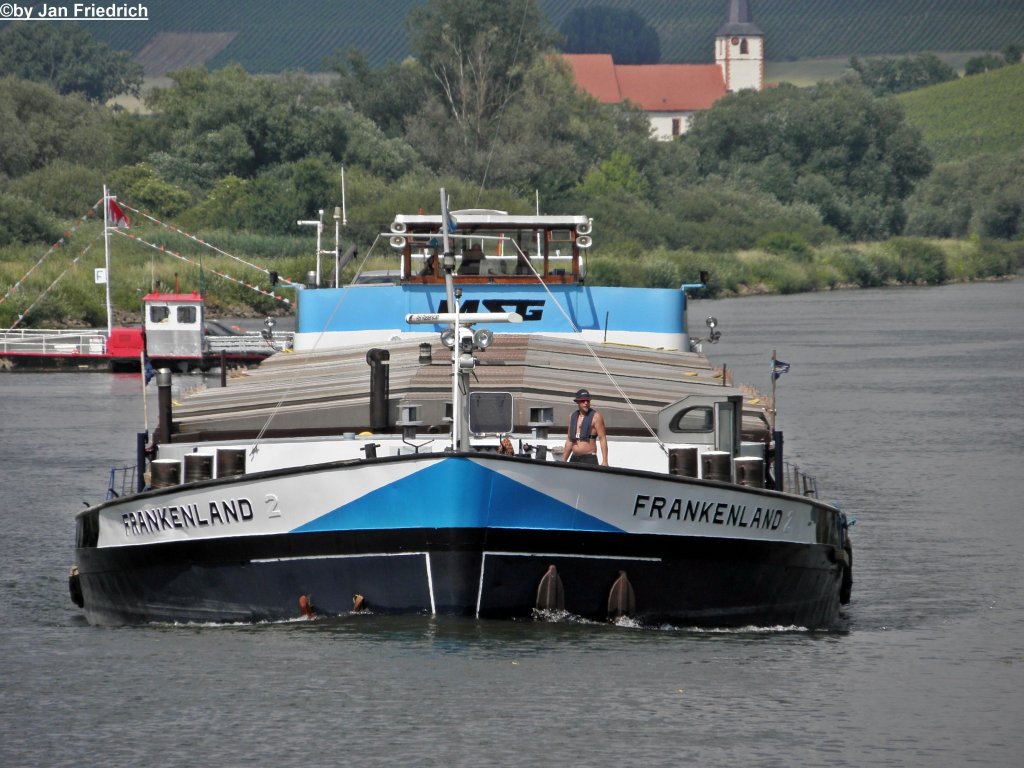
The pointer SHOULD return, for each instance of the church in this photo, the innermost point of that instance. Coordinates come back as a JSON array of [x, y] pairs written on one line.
[[671, 93]]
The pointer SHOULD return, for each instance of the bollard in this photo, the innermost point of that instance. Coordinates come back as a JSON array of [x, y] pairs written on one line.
[[750, 471], [198, 466], [230, 462], [165, 472], [717, 465], [682, 462]]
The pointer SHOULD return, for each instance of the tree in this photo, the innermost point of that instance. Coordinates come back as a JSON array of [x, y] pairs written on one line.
[[884, 76], [21, 221], [478, 53], [231, 123], [548, 138], [389, 96], [834, 146], [976, 65], [619, 31], [980, 196], [69, 59], [38, 126], [144, 187]]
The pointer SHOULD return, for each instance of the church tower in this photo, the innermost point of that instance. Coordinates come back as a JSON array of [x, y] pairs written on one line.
[[739, 49]]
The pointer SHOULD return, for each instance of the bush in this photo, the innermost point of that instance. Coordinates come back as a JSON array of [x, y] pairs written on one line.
[[851, 266], [790, 244], [23, 221], [608, 271], [64, 189], [911, 260], [980, 258], [142, 187], [660, 271], [775, 274]]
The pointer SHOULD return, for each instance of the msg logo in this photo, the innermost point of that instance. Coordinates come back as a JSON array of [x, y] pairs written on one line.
[[530, 309]]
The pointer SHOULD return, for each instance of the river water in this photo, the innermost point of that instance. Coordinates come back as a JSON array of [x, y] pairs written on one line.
[[905, 403]]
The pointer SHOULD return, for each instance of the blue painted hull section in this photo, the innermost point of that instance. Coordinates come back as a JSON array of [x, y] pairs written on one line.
[[485, 499]]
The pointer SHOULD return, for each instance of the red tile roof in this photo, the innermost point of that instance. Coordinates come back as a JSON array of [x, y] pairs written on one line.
[[653, 87], [595, 74]]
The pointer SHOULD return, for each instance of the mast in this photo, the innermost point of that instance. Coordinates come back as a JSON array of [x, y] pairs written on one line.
[[460, 431], [463, 340]]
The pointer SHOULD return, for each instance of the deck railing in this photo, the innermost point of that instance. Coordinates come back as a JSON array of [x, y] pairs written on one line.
[[94, 342], [250, 342], [796, 480], [121, 482], [34, 340]]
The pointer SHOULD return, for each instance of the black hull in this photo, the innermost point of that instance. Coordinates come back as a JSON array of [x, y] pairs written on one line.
[[491, 573]]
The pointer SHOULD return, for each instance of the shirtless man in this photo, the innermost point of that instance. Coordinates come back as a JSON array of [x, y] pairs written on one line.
[[586, 428]]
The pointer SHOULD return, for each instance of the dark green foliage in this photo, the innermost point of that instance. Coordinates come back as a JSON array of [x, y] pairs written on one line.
[[477, 54], [622, 32], [790, 244], [148, 191], [984, 63], [984, 196], [23, 221], [834, 147], [38, 126], [886, 76], [759, 192], [389, 96], [67, 58], [1002, 216], [228, 123], [547, 139], [850, 267], [66, 190], [916, 261]]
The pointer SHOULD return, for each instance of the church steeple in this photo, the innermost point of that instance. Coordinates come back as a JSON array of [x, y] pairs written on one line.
[[739, 21], [739, 49]]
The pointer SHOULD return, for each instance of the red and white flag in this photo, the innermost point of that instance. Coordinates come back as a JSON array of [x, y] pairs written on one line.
[[115, 215]]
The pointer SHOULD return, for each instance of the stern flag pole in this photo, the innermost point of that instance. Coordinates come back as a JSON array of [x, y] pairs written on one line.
[[778, 368]]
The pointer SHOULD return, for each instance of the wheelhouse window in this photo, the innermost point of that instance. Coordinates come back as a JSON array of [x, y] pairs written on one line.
[[188, 315], [699, 418], [159, 314]]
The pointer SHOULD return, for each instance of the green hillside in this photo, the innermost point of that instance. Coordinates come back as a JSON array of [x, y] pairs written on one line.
[[275, 35], [970, 116]]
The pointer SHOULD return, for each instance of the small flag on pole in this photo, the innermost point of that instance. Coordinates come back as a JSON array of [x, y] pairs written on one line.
[[116, 216], [778, 368]]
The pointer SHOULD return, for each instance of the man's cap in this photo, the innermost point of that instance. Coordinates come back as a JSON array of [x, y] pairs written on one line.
[[581, 394]]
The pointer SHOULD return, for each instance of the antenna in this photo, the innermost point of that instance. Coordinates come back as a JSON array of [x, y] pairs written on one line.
[[344, 211]]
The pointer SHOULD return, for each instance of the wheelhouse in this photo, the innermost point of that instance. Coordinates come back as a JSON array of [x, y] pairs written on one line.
[[491, 246]]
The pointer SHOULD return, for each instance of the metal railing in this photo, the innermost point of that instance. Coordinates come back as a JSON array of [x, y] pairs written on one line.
[[796, 480], [121, 482], [34, 340], [250, 342]]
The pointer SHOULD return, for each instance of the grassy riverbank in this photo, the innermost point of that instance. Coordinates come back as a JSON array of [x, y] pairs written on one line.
[[60, 291]]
